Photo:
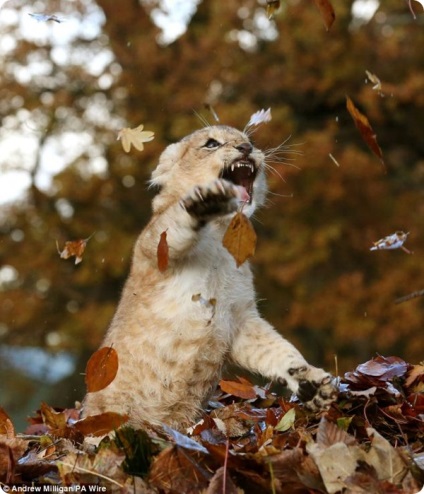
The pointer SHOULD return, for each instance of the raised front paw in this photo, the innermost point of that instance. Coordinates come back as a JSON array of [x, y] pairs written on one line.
[[315, 387], [217, 198]]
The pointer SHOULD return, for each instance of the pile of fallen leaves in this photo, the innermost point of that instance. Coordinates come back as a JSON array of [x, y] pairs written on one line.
[[251, 440]]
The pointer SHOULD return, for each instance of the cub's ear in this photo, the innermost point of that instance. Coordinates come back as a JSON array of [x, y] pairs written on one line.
[[163, 172]]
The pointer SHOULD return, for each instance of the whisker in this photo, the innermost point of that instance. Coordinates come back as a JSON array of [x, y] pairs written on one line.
[[289, 196], [202, 119]]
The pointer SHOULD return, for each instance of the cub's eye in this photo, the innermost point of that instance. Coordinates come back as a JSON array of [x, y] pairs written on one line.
[[211, 143]]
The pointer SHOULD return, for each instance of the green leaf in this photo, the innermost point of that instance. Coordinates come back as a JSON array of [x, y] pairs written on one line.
[[287, 421]]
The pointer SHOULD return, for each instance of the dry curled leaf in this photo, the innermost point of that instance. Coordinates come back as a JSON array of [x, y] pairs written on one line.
[[99, 425], [242, 389], [136, 137], [240, 238], [101, 369], [163, 253], [6, 425], [74, 248], [327, 12], [394, 241], [53, 419], [365, 129]]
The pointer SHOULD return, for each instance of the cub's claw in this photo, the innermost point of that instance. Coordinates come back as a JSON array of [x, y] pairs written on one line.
[[215, 199], [316, 388]]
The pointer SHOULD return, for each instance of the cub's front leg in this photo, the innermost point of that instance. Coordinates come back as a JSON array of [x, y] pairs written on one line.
[[259, 348], [183, 220]]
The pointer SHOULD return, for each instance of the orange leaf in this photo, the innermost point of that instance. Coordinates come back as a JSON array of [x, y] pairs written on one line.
[[6, 426], [163, 253], [240, 239], [74, 248], [98, 425], [365, 129], [101, 369], [243, 390], [327, 12]]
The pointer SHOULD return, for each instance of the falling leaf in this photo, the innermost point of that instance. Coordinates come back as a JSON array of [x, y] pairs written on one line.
[[375, 80], [243, 390], [365, 129], [327, 12], [261, 116], [421, 2], [271, 7], [287, 421], [136, 137], [209, 107], [405, 298], [163, 253], [74, 248], [101, 369], [101, 424], [6, 425], [46, 17], [334, 159], [394, 241], [240, 239]]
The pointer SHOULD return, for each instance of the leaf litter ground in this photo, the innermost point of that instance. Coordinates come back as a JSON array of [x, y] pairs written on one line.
[[250, 440]]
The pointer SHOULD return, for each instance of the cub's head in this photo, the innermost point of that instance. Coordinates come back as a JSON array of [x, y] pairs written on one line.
[[205, 155]]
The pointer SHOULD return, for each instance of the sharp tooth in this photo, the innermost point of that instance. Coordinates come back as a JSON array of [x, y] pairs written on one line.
[[232, 167]]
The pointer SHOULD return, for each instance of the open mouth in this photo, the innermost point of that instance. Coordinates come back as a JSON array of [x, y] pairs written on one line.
[[241, 172]]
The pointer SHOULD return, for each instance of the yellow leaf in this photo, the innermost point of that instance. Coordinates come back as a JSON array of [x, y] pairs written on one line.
[[135, 137]]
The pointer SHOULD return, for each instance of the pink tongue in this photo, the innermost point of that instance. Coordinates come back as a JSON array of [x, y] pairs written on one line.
[[242, 193]]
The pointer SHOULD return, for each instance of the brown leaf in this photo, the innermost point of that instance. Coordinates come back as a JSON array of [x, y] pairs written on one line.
[[163, 253], [327, 12], [243, 390], [52, 418], [415, 374], [6, 426], [101, 369], [98, 425], [240, 238], [221, 483], [74, 248], [176, 470], [328, 433], [365, 129], [385, 458]]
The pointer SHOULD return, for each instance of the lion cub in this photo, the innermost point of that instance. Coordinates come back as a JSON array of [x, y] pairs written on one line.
[[172, 343]]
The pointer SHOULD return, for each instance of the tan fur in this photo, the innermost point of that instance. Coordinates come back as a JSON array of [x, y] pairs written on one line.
[[171, 343]]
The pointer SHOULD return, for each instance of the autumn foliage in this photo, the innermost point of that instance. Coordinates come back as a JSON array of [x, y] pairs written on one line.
[[331, 200], [251, 440]]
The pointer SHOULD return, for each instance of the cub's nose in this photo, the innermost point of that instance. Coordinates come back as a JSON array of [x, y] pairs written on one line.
[[245, 148]]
